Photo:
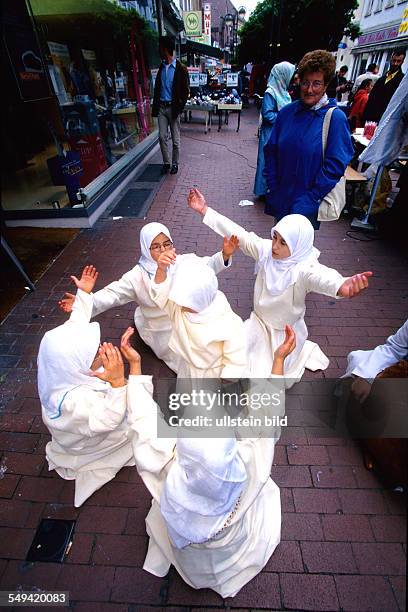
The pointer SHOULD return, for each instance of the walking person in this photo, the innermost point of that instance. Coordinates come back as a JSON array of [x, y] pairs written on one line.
[[276, 97], [170, 96]]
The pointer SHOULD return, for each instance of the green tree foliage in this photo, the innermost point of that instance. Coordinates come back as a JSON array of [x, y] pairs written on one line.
[[298, 25]]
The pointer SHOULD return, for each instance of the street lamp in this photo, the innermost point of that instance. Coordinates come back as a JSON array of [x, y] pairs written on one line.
[[232, 21]]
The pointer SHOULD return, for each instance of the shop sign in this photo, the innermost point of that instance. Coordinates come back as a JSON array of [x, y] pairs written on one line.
[[193, 23], [232, 79], [24, 52], [403, 28], [203, 78], [378, 37], [194, 79], [207, 23]]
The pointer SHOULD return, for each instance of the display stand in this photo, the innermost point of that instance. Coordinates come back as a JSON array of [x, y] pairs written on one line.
[[207, 109], [16, 262], [226, 108]]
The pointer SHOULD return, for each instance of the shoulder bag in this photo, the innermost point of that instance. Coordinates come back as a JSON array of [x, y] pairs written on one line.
[[333, 203]]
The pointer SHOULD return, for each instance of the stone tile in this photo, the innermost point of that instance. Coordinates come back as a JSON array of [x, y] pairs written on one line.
[[306, 592], [340, 477], [261, 592], [308, 455], [126, 550], [291, 476], [298, 526], [380, 558], [362, 502], [365, 593], [316, 500], [94, 519], [328, 557], [286, 558], [347, 528]]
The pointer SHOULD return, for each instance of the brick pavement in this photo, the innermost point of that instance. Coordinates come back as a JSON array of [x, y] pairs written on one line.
[[343, 533]]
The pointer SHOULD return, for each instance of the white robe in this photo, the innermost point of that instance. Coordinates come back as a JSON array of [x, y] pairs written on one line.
[[90, 441], [231, 559], [153, 324], [266, 325], [216, 349], [368, 364]]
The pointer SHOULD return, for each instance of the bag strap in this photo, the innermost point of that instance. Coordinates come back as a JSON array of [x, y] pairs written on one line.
[[326, 127]]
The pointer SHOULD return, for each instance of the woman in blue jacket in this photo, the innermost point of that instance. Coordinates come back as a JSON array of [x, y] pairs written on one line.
[[276, 97], [297, 176]]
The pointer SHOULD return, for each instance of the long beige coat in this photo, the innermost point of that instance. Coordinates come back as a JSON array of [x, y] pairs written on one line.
[[235, 556]]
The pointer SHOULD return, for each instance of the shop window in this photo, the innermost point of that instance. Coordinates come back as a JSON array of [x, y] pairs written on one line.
[[369, 7], [80, 104]]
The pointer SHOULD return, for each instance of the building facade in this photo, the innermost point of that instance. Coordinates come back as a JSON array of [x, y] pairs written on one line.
[[383, 26]]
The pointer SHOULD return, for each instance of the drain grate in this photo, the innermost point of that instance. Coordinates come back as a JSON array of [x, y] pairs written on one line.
[[51, 541], [151, 174], [133, 203]]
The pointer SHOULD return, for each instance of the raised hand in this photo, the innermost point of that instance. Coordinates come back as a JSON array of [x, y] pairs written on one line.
[[87, 280], [67, 303], [196, 201], [354, 285], [166, 259], [229, 247], [113, 368], [283, 350], [130, 354]]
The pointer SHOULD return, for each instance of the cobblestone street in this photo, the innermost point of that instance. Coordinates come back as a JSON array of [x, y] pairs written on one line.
[[343, 533]]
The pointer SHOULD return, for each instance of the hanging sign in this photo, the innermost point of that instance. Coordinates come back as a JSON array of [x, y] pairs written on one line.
[[194, 79], [203, 78], [193, 23], [232, 79]]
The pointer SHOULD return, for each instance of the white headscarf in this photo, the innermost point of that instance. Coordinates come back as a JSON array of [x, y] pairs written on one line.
[[65, 356], [147, 234], [201, 488], [195, 286], [298, 233], [278, 83]]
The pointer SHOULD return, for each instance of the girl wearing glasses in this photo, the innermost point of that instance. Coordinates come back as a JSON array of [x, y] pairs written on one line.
[[153, 324], [297, 175]]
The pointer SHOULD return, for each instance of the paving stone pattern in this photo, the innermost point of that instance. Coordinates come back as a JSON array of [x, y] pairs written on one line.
[[343, 533]]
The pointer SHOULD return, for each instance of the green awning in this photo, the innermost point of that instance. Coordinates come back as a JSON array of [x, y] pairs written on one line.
[[201, 49]]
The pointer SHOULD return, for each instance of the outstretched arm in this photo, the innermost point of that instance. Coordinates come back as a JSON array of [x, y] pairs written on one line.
[[249, 243]]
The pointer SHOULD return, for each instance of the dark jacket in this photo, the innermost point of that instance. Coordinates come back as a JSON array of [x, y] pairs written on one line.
[[380, 96], [180, 90]]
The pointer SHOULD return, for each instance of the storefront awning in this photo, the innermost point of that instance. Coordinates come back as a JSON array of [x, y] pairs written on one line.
[[201, 49]]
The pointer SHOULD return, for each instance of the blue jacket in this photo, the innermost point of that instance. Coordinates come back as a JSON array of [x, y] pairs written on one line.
[[296, 174]]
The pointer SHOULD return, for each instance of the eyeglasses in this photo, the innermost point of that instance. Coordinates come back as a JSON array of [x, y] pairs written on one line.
[[157, 247], [314, 84]]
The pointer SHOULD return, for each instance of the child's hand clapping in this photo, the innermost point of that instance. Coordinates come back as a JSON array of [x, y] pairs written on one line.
[[88, 279], [285, 349], [166, 259], [229, 247], [113, 368], [130, 354]]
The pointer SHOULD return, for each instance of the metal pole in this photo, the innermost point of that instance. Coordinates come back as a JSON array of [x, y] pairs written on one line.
[[160, 19]]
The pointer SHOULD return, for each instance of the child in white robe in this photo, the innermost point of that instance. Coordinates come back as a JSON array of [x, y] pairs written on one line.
[[83, 409], [287, 269], [216, 513], [153, 324], [206, 334]]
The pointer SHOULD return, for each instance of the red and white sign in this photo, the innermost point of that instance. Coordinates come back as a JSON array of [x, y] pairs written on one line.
[[207, 23]]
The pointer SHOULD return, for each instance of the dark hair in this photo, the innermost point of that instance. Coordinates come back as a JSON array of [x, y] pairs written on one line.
[[344, 69], [399, 51], [167, 42], [371, 67], [364, 84], [316, 61]]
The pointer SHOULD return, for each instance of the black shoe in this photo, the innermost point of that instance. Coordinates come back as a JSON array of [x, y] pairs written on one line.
[[165, 169], [174, 169]]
